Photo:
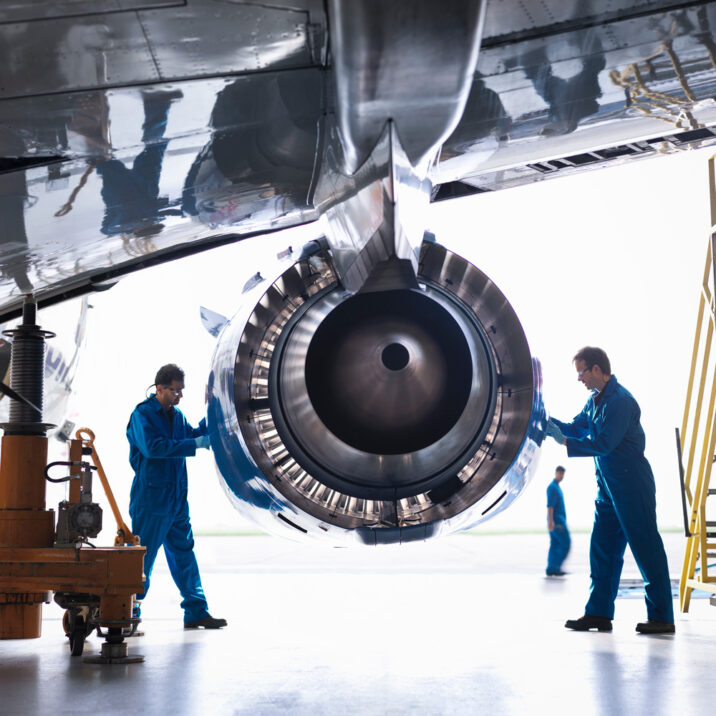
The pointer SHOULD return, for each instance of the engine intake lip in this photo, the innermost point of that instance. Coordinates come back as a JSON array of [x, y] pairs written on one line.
[[260, 470], [322, 405]]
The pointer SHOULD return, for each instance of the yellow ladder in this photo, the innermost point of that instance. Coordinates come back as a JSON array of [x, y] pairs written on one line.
[[697, 441]]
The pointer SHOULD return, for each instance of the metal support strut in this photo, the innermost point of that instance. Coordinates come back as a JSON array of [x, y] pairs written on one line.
[[24, 521]]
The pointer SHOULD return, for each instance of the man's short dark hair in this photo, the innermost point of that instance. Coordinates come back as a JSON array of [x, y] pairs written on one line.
[[594, 356], [559, 468], [167, 374]]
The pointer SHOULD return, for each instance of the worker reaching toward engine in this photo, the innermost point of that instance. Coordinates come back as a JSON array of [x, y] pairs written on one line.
[[160, 440], [609, 429]]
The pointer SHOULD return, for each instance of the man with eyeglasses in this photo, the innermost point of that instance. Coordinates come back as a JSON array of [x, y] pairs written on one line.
[[609, 429], [160, 440]]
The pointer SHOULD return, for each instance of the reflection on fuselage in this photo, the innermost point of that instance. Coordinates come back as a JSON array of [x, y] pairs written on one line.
[[98, 174]]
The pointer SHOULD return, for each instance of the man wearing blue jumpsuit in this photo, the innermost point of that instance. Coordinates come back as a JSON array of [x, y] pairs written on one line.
[[160, 440], [559, 539], [609, 429]]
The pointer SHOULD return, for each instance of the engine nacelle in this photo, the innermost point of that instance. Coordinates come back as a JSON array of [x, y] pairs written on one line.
[[375, 417]]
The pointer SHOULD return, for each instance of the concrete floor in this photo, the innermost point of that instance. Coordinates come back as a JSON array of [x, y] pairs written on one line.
[[466, 625]]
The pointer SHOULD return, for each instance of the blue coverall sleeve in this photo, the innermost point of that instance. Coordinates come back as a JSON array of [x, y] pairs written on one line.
[[151, 443], [577, 428], [609, 431], [551, 496], [201, 430]]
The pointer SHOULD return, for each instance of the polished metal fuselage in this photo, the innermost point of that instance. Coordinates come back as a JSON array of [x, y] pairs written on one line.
[[157, 129]]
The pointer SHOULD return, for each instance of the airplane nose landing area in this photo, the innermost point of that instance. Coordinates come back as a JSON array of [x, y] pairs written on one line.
[[377, 416]]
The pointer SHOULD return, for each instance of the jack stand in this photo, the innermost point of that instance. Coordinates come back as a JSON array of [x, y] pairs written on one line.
[[114, 648], [95, 584]]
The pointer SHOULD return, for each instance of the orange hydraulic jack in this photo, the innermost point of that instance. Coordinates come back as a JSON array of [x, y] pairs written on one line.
[[95, 585]]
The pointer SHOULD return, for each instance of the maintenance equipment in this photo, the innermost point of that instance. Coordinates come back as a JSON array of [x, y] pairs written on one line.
[[95, 585], [696, 441]]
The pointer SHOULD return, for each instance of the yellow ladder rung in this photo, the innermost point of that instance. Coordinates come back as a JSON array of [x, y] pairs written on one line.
[[696, 584]]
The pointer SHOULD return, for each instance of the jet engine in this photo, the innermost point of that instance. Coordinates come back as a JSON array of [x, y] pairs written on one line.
[[376, 417]]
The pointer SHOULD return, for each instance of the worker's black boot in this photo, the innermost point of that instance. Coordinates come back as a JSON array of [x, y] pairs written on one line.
[[654, 627], [587, 622], [208, 622]]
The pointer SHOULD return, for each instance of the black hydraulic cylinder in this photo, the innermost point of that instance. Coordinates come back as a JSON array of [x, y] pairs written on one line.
[[27, 373]]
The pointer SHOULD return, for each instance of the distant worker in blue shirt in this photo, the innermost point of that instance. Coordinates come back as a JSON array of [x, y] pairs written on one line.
[[160, 440], [559, 539], [609, 429]]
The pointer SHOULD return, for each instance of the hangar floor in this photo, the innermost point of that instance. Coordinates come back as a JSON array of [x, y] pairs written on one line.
[[461, 626]]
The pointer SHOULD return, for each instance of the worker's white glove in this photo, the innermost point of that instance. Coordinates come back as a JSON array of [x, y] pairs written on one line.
[[203, 442], [553, 431]]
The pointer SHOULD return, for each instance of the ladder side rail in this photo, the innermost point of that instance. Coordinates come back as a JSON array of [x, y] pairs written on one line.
[[692, 369], [687, 440], [689, 437], [698, 519], [685, 503], [693, 438], [687, 572]]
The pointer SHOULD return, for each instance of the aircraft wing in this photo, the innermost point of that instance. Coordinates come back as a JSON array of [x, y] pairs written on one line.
[[565, 86], [136, 135]]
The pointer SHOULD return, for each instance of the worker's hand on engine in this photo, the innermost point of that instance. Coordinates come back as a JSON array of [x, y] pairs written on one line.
[[203, 442], [553, 431]]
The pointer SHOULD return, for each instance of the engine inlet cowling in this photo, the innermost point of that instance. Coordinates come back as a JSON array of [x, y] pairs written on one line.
[[384, 416]]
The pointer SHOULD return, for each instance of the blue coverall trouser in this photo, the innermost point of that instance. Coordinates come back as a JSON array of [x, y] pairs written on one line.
[[559, 544], [626, 514], [160, 516]]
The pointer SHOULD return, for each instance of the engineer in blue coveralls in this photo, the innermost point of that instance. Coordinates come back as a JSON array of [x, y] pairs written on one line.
[[559, 539], [160, 440], [609, 429]]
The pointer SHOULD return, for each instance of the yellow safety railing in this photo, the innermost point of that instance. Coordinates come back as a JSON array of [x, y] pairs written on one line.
[[697, 439]]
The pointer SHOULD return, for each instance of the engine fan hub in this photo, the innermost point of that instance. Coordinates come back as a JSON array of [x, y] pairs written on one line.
[[389, 373]]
